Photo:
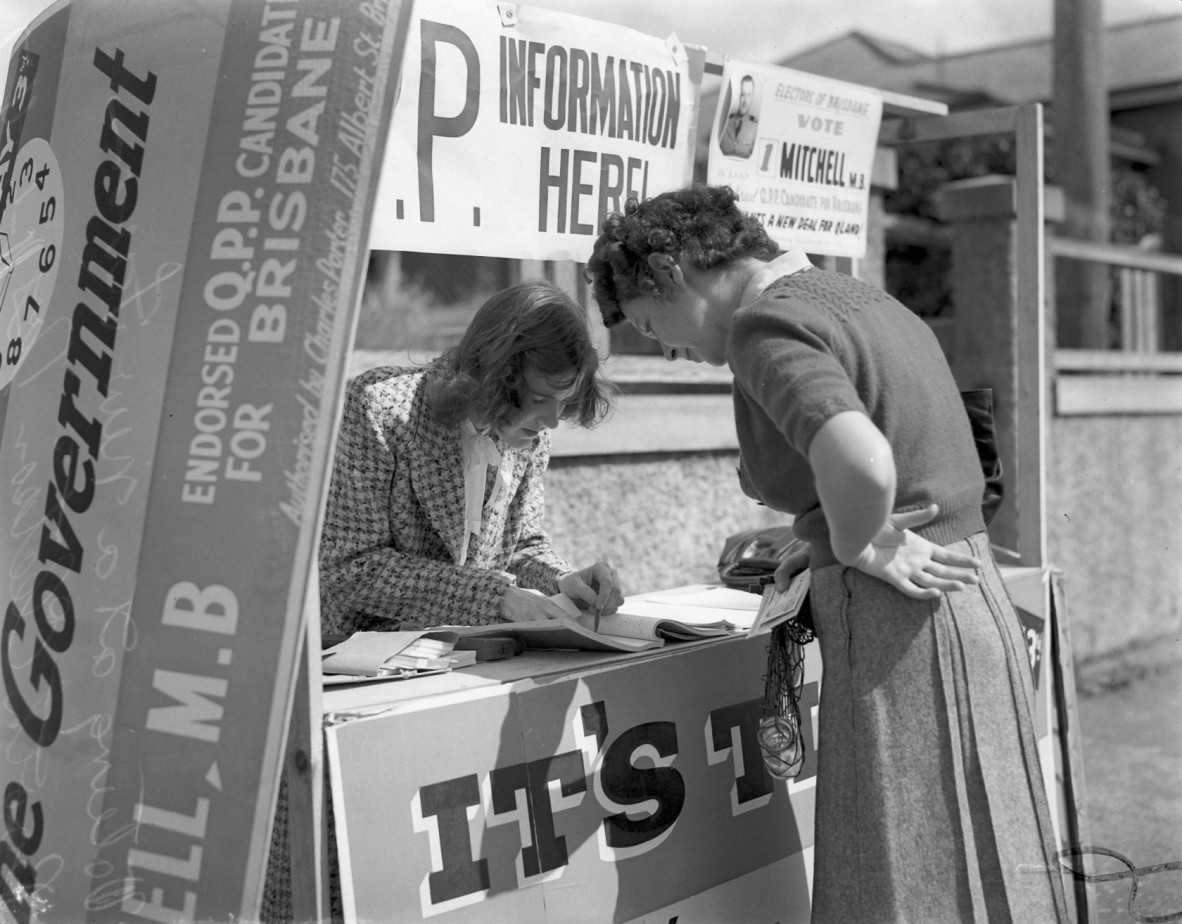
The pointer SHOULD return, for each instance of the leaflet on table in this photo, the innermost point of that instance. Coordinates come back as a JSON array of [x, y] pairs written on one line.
[[780, 606]]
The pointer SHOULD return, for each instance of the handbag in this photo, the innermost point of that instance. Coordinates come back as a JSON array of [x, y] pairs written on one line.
[[749, 561]]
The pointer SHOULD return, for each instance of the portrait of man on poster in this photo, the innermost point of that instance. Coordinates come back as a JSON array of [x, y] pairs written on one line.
[[737, 137]]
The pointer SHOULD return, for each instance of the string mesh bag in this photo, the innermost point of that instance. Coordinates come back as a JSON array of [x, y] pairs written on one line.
[[780, 740]]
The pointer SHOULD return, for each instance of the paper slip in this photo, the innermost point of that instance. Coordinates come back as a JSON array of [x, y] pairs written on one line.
[[780, 606]]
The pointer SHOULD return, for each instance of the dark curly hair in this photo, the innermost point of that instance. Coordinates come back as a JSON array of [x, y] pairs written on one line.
[[701, 226], [533, 324]]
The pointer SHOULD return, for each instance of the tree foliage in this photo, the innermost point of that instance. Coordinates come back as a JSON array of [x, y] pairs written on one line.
[[1136, 209], [918, 275]]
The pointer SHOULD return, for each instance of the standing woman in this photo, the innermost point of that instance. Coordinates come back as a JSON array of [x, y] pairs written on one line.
[[930, 797], [435, 505]]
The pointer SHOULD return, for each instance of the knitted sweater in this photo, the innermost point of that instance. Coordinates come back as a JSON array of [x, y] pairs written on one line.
[[817, 343], [394, 521]]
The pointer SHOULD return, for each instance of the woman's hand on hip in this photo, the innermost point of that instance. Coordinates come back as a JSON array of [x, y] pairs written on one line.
[[913, 565]]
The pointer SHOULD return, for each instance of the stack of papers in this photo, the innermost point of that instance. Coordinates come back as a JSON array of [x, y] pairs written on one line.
[[395, 654], [427, 654]]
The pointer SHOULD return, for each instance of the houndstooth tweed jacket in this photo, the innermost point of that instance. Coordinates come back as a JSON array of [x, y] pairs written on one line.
[[394, 522]]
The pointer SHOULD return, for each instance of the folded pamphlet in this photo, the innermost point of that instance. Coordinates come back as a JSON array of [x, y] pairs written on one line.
[[778, 606]]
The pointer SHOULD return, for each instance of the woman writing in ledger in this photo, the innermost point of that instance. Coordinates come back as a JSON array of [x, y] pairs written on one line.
[[930, 801], [435, 505], [434, 512]]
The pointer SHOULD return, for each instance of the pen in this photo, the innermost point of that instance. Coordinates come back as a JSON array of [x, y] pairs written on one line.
[[598, 605]]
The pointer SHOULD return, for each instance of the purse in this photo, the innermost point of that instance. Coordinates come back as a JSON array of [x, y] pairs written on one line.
[[749, 561]]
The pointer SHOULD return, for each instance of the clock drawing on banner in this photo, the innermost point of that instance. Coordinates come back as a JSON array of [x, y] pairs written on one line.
[[30, 251]]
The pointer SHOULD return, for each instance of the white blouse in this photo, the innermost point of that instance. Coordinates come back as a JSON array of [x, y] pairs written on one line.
[[480, 454]]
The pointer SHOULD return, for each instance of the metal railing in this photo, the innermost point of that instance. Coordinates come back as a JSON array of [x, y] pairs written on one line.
[[1138, 289]]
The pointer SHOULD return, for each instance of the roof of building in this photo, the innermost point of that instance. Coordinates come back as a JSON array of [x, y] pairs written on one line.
[[1143, 61]]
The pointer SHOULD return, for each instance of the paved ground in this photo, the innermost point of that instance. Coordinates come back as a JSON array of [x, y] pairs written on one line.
[[1130, 718]]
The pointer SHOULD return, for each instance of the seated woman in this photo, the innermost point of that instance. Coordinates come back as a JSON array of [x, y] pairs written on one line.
[[434, 511], [435, 505]]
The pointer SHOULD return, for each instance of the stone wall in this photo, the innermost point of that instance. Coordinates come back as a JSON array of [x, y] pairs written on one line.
[[1114, 528], [660, 519]]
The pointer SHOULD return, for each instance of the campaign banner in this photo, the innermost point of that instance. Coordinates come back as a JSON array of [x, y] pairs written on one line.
[[517, 129], [799, 151], [186, 189], [608, 794]]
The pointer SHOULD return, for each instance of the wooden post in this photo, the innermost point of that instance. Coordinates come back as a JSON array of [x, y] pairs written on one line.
[[1000, 337], [304, 771], [1080, 156]]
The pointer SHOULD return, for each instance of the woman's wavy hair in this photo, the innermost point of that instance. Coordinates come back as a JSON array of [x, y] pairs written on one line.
[[531, 325], [699, 225]]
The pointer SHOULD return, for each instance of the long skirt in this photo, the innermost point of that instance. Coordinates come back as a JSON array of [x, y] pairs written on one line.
[[931, 805]]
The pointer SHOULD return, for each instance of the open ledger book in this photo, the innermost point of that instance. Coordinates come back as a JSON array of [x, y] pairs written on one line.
[[642, 623], [638, 625]]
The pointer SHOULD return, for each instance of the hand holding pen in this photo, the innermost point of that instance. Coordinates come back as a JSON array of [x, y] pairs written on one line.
[[595, 589]]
